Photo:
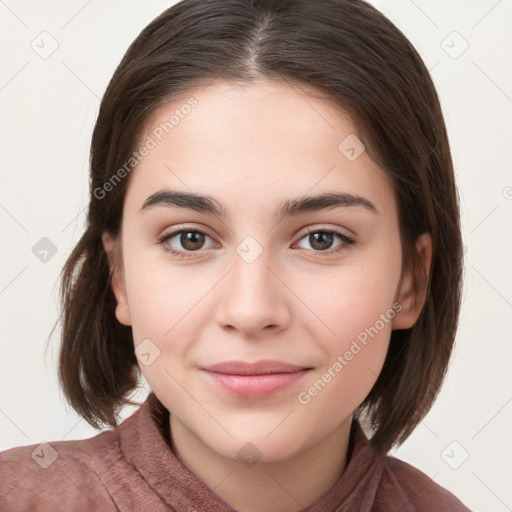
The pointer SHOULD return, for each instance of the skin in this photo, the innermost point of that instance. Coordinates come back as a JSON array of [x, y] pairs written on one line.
[[252, 147]]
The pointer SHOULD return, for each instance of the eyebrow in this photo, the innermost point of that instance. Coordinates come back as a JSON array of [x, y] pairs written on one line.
[[209, 205]]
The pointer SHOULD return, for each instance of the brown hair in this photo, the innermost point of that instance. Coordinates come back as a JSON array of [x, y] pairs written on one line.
[[355, 56]]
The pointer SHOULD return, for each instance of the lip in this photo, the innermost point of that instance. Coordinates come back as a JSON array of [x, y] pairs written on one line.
[[254, 380]]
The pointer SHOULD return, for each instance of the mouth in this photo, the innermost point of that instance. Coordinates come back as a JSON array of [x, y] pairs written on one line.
[[254, 380]]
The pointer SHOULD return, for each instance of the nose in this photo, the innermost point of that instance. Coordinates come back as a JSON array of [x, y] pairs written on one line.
[[253, 298]]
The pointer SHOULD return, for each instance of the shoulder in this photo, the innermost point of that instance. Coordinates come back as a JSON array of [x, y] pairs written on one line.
[[60, 475], [417, 489]]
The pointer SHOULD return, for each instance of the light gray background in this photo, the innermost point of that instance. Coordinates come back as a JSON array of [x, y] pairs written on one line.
[[48, 108]]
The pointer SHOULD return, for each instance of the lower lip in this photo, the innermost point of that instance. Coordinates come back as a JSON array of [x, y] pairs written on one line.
[[255, 386]]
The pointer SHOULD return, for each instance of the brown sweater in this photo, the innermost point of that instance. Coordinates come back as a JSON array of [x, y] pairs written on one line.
[[133, 468]]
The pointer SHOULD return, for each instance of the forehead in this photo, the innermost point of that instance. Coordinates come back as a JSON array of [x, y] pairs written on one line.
[[265, 140], [257, 111]]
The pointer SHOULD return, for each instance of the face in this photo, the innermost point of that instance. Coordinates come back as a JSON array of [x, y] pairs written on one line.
[[267, 277]]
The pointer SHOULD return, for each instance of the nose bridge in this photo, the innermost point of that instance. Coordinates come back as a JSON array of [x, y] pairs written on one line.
[[251, 278], [252, 297]]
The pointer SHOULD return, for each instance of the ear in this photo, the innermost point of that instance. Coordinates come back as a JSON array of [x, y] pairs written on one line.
[[118, 282], [412, 289]]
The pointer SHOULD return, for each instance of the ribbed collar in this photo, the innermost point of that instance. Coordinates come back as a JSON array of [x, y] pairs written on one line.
[[146, 444]]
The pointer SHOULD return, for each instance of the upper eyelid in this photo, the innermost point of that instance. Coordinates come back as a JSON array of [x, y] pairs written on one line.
[[327, 229], [308, 230], [177, 230]]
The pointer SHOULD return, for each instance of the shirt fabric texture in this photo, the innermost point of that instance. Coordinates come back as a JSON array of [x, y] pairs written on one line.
[[133, 468]]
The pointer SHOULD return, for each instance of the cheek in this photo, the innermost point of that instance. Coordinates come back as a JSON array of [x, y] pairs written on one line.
[[165, 309], [357, 305], [352, 300], [167, 305], [360, 318], [361, 321]]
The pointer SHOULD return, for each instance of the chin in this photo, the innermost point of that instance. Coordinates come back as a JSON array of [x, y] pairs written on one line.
[[257, 446]]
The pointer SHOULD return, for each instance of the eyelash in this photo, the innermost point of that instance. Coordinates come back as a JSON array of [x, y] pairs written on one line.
[[182, 254]]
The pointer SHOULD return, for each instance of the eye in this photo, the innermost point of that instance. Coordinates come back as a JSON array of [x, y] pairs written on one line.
[[190, 240], [321, 240], [193, 240]]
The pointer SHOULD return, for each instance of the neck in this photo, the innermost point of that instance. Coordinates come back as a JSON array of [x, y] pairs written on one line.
[[282, 486]]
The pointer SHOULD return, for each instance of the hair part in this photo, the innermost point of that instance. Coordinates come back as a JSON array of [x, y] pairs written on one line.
[[345, 49]]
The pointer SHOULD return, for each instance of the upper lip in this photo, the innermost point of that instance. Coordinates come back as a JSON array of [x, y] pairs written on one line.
[[256, 368]]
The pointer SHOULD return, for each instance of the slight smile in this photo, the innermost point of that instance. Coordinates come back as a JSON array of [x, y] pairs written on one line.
[[254, 380]]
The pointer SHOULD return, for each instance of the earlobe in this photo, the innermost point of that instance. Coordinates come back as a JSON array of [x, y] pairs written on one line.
[[117, 280], [413, 288]]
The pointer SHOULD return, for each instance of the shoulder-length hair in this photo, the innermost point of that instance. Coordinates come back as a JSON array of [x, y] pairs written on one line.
[[357, 58]]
